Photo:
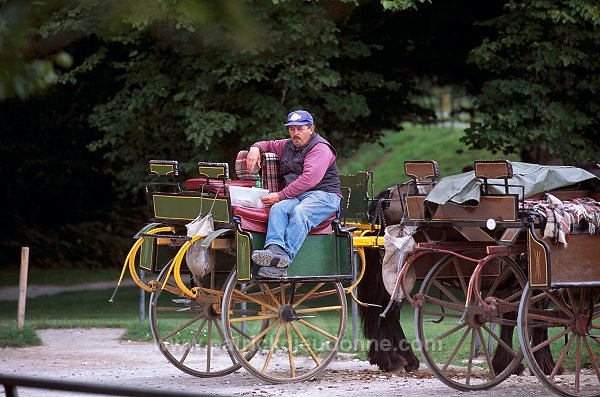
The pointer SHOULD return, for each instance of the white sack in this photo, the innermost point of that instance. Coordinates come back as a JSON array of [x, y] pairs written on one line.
[[200, 260], [398, 243]]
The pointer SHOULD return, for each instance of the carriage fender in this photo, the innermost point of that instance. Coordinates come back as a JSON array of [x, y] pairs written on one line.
[[146, 229], [217, 233]]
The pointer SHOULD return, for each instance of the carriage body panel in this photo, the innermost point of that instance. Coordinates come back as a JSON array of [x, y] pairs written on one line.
[[502, 208], [553, 265], [322, 256], [183, 207]]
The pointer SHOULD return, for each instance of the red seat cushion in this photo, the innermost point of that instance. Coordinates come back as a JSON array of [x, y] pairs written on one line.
[[212, 185], [257, 219]]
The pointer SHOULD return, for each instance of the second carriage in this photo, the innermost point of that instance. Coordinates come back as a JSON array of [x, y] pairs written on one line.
[[493, 288]]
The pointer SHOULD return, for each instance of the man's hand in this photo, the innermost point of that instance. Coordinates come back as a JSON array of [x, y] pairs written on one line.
[[252, 158], [270, 199]]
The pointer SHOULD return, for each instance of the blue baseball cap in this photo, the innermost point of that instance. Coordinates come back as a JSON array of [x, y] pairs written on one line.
[[299, 117]]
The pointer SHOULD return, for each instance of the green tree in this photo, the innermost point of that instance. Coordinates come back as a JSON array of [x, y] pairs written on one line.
[[542, 98], [193, 90]]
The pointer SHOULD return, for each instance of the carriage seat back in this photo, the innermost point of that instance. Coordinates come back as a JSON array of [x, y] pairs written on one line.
[[424, 174], [166, 172], [213, 178], [357, 190], [493, 169], [422, 169], [257, 219]]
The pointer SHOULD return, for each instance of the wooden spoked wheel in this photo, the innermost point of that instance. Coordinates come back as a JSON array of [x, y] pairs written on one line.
[[476, 348], [566, 323], [306, 320], [188, 331]]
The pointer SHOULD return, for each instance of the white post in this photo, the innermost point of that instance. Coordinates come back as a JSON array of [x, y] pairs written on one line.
[[23, 287]]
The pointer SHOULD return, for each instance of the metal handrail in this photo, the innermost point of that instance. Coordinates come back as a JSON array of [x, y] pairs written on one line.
[[11, 383]]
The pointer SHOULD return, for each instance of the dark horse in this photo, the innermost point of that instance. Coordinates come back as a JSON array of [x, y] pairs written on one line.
[[389, 348]]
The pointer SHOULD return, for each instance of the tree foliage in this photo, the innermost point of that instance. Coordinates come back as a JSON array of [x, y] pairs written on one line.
[[23, 69], [544, 67], [193, 88]]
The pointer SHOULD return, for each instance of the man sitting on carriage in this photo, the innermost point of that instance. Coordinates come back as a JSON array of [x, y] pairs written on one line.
[[311, 192]]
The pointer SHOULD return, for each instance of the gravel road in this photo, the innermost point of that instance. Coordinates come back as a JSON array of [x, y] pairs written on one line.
[[99, 356]]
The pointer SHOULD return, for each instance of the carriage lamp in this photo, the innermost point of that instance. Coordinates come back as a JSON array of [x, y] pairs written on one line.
[[491, 224]]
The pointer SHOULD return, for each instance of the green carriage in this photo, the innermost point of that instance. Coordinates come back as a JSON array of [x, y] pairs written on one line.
[[212, 322]]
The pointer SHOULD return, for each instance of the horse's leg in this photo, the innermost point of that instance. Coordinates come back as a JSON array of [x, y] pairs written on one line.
[[389, 349], [403, 347], [502, 357]]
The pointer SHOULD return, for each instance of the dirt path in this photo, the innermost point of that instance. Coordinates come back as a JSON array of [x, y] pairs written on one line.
[[99, 356]]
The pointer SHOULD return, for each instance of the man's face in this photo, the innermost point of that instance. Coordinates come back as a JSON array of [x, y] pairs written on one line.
[[300, 134]]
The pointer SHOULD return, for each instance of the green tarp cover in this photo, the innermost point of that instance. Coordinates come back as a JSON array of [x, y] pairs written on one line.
[[465, 188]]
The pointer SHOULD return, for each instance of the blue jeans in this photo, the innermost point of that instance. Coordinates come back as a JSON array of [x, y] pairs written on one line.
[[290, 220]]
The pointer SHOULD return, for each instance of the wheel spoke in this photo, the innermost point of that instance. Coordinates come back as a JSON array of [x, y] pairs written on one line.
[[259, 336], [271, 295], [559, 302], [282, 293], [290, 351], [492, 289], [582, 292], [209, 345], [183, 326], [191, 343], [319, 309], [308, 294], [512, 298], [547, 320], [578, 364], [242, 296], [549, 340], [252, 318], [459, 272], [445, 291], [593, 358], [272, 349], [500, 341], [562, 357], [241, 332], [222, 335], [445, 304], [470, 360], [447, 333], [319, 330], [488, 359], [455, 350], [440, 314], [310, 351]]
